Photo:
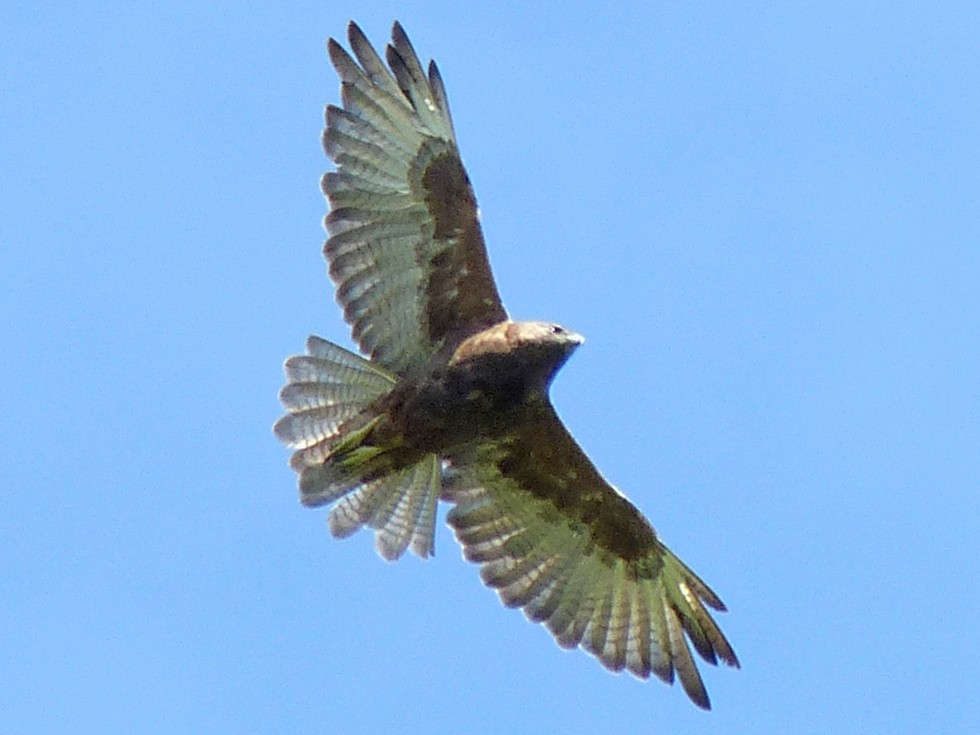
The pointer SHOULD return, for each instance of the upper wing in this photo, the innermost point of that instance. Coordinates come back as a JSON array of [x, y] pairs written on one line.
[[554, 538], [405, 246]]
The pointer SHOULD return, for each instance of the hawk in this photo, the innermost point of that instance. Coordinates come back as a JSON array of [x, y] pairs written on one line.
[[452, 401]]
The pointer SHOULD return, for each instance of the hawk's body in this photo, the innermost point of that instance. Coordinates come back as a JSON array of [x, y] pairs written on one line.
[[453, 403]]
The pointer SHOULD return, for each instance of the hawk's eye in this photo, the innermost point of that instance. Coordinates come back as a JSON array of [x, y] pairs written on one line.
[[555, 329]]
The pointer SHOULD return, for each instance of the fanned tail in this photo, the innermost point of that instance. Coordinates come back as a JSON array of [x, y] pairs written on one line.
[[328, 394]]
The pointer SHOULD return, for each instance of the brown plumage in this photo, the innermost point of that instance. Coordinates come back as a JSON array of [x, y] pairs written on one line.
[[453, 403]]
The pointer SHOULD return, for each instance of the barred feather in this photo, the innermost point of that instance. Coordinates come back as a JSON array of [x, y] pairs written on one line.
[[642, 615], [404, 247], [327, 394]]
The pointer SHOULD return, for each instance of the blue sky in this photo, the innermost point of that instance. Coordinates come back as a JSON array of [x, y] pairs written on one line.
[[764, 217]]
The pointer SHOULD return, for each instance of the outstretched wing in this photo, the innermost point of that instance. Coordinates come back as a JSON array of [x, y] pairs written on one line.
[[405, 247], [554, 538]]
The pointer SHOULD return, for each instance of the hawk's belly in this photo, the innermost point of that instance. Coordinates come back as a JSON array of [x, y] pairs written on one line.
[[454, 406]]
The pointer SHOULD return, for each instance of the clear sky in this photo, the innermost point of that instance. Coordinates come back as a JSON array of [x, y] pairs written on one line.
[[765, 218]]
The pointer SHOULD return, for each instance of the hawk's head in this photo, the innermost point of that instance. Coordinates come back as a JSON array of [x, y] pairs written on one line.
[[535, 350]]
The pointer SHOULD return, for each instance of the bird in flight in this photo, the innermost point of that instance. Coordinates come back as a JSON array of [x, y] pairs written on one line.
[[451, 402]]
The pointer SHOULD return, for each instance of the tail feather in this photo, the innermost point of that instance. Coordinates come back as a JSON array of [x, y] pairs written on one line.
[[400, 507], [408, 518], [327, 394], [313, 425], [300, 396], [326, 362]]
